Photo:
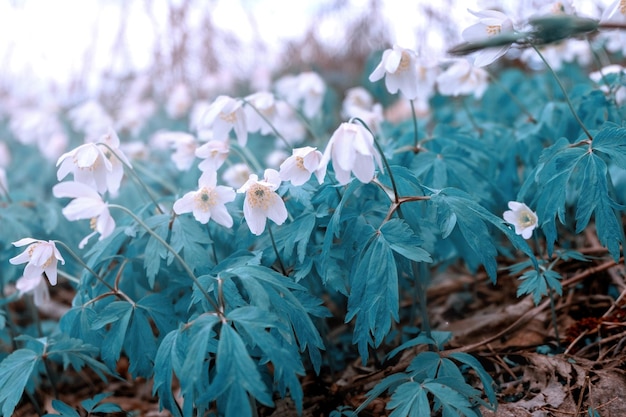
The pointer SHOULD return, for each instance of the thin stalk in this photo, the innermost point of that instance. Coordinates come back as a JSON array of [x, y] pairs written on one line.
[[172, 251], [165, 184], [49, 374], [84, 265], [212, 244], [247, 157], [266, 120], [512, 96], [554, 322], [280, 262], [415, 139], [470, 116], [567, 100], [138, 180], [305, 122]]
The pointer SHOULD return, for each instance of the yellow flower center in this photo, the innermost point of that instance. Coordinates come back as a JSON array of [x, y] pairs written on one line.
[[260, 196], [205, 199], [526, 219], [228, 117], [300, 162], [622, 7], [93, 222], [558, 8], [494, 30], [48, 262], [405, 61]]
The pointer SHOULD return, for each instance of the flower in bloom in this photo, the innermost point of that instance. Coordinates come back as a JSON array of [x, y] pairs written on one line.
[[95, 165], [615, 13], [208, 202], [300, 165], [490, 23], [399, 67], [262, 202], [184, 146], [36, 285], [87, 204], [359, 103], [351, 148], [523, 218], [463, 78], [236, 175], [222, 116], [179, 101], [213, 154], [306, 89], [41, 256]]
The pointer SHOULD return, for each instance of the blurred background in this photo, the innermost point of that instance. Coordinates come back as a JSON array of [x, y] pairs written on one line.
[[73, 50]]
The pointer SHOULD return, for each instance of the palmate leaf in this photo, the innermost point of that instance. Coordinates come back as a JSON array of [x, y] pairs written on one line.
[[15, 371], [456, 208], [166, 362], [189, 238], [538, 283], [77, 353], [236, 377], [154, 250]]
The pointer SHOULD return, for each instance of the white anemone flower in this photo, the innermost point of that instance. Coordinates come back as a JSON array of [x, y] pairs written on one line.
[[399, 67], [522, 218], [463, 78], [301, 164], [262, 202], [213, 155], [236, 175], [223, 115], [184, 146], [87, 204], [490, 23], [41, 256], [179, 101], [360, 103], [95, 165], [305, 90], [351, 148], [35, 285], [208, 202]]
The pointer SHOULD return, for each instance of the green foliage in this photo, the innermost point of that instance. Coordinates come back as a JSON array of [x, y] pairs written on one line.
[[90, 405]]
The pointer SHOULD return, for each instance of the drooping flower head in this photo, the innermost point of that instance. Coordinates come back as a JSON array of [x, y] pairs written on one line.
[[463, 78], [40, 256], [262, 201], [213, 154], [87, 204], [223, 115], [399, 67], [95, 165], [351, 149], [360, 103], [208, 202], [522, 218], [305, 90], [490, 23], [301, 164], [35, 285]]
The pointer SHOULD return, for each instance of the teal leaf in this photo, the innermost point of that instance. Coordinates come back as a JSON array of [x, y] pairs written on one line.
[[403, 241], [65, 409], [409, 400], [191, 238], [488, 383], [165, 362], [538, 283], [15, 371]]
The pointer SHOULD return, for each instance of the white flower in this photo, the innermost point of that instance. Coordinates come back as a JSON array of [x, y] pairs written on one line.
[[359, 103], [41, 256], [95, 165], [615, 13], [399, 67], [223, 115], [185, 146], [35, 284], [523, 218], [90, 118], [208, 202], [351, 148], [179, 101], [300, 165], [262, 202], [87, 204], [213, 154], [463, 78], [490, 23], [569, 50], [306, 89], [265, 104], [4, 184], [236, 175]]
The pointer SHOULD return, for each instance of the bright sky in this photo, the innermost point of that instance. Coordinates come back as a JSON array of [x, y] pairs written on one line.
[[44, 40]]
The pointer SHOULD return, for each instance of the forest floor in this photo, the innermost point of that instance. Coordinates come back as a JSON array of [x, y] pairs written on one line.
[[514, 339]]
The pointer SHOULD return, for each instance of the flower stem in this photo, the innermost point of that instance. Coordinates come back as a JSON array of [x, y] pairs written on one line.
[[415, 136], [567, 100], [280, 262], [266, 120], [247, 157], [173, 252], [84, 265], [138, 180]]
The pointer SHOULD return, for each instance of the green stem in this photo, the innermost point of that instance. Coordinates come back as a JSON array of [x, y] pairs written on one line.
[[276, 132], [84, 265], [512, 96], [280, 262], [247, 157], [173, 252], [470, 116], [382, 155], [165, 184], [415, 136], [212, 244], [567, 100], [305, 122], [136, 177]]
